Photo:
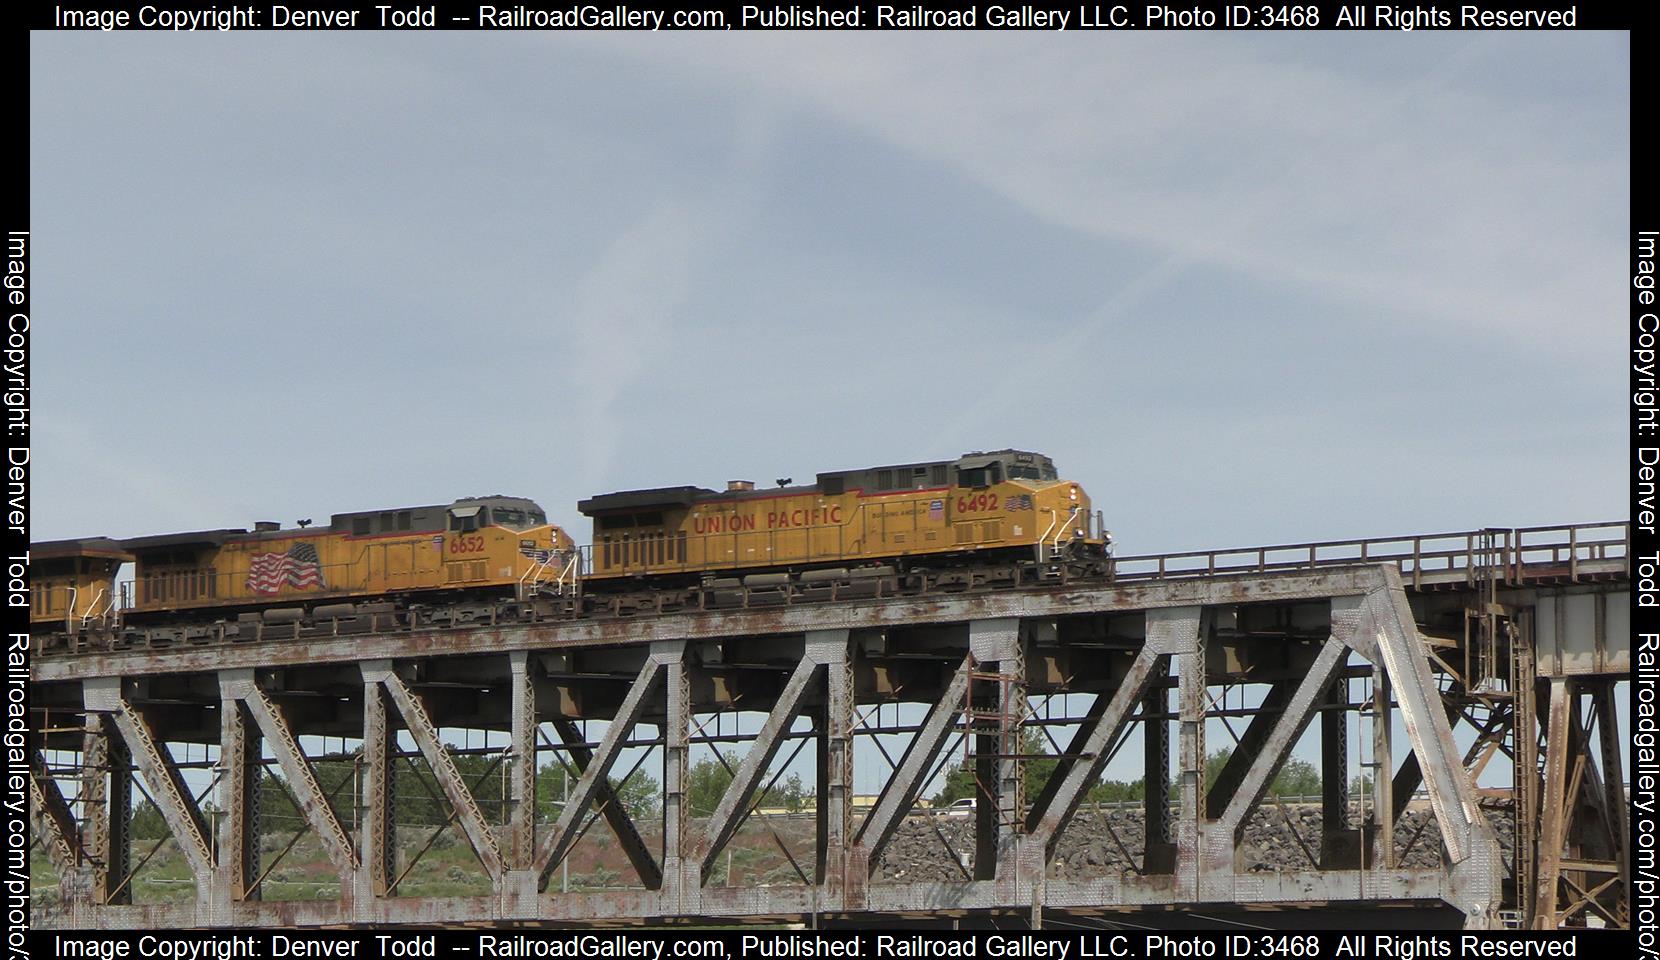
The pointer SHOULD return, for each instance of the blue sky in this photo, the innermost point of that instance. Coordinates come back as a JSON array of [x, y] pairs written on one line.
[[1245, 288]]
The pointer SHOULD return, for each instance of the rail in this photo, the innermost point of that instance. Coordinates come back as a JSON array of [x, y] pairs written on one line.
[[1569, 552]]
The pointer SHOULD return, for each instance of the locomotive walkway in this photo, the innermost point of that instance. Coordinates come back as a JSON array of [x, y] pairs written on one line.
[[1516, 636]]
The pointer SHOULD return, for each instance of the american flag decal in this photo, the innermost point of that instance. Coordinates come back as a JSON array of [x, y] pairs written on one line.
[[1018, 502], [539, 556], [299, 568]]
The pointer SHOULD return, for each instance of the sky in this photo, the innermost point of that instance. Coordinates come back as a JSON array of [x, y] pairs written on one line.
[[1247, 288]]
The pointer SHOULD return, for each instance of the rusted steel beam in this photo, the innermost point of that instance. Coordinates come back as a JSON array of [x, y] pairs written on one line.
[[1608, 735], [1553, 815], [167, 787], [1410, 776], [611, 808], [425, 734], [239, 826], [556, 843], [51, 818], [106, 799], [1000, 665], [1159, 856], [1058, 803], [1383, 762], [1472, 849], [1190, 709], [680, 873], [734, 804], [520, 840], [833, 729], [1334, 777], [900, 792], [239, 685], [1251, 743], [1287, 726], [377, 833], [713, 625]]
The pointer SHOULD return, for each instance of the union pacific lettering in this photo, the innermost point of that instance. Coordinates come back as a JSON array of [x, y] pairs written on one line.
[[775, 520], [804, 518], [723, 523]]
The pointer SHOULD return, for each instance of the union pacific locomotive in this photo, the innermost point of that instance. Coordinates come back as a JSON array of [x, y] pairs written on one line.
[[997, 519]]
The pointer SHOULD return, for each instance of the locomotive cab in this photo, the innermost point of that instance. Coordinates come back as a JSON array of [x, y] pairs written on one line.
[[72, 582]]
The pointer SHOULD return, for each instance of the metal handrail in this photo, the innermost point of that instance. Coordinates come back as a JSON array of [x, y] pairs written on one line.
[[1569, 545]]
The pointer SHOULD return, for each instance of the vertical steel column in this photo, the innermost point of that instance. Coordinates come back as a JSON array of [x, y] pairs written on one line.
[[377, 834], [1383, 772], [1553, 819], [680, 886], [239, 772], [1160, 853], [106, 810], [1524, 742], [1190, 669], [834, 742], [994, 646], [1608, 734], [520, 840], [1334, 778]]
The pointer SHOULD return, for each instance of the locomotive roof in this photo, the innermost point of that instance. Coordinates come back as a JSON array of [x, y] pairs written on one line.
[[635, 499], [83, 547], [207, 538], [865, 477]]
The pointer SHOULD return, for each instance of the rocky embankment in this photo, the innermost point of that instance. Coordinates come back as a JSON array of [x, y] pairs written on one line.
[[1096, 843]]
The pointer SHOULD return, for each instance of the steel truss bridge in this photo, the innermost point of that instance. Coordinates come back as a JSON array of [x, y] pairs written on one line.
[[1516, 637]]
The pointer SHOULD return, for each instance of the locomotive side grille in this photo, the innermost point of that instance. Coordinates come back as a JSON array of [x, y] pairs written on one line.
[[965, 532], [470, 570], [992, 530]]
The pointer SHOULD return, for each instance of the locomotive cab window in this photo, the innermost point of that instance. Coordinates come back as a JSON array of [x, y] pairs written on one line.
[[466, 519], [360, 526], [508, 518]]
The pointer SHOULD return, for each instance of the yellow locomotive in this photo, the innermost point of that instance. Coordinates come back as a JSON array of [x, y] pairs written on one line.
[[471, 544], [72, 582], [998, 517], [984, 519]]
